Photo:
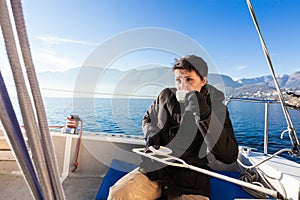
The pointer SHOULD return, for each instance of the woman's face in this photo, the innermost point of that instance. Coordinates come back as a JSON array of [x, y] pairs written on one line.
[[190, 81]]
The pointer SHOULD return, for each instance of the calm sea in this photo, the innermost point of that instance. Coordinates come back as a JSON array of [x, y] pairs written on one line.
[[124, 116]]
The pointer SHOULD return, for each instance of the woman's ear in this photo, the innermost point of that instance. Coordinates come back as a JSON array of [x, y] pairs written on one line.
[[204, 80]]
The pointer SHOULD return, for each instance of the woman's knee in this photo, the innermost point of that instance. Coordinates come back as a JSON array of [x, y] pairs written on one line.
[[119, 193], [134, 185]]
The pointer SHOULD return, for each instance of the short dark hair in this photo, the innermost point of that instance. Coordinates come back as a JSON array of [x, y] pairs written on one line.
[[192, 63]]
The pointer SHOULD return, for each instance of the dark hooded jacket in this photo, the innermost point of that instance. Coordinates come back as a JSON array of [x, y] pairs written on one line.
[[167, 123]]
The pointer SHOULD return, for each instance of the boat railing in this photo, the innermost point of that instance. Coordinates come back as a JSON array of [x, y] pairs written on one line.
[[267, 103]]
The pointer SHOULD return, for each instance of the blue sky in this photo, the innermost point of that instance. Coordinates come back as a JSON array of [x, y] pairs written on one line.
[[64, 33]]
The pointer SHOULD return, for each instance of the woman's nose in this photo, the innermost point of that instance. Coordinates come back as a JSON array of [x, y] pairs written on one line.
[[182, 85]]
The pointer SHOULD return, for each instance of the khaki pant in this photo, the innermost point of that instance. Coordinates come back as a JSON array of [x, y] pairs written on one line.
[[136, 186]]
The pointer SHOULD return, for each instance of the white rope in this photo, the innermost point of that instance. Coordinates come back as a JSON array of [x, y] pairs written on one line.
[[264, 175], [261, 162], [169, 160]]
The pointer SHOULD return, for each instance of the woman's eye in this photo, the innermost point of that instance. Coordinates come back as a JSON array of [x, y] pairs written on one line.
[[188, 79]]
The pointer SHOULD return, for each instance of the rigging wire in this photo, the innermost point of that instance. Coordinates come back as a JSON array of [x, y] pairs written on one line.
[[40, 140], [24, 101], [291, 130], [46, 141], [17, 142]]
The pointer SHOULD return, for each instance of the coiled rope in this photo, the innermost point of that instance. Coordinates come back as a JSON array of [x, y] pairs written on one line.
[[251, 176]]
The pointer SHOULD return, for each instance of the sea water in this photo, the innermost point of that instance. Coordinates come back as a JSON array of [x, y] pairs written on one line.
[[124, 116]]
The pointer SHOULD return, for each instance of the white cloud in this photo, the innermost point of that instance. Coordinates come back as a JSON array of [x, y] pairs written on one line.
[[53, 62], [241, 67], [57, 40], [51, 57]]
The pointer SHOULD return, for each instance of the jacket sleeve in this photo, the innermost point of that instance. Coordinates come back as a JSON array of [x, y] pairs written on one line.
[[218, 134], [155, 118]]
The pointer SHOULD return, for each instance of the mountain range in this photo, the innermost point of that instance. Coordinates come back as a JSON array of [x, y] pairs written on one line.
[[148, 82]]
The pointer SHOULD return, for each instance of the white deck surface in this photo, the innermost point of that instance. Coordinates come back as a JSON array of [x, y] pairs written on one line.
[[13, 187]]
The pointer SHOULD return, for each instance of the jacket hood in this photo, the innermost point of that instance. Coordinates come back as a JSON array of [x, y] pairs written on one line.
[[214, 93]]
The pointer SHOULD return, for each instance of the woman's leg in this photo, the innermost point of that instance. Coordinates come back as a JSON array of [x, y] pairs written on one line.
[[135, 186]]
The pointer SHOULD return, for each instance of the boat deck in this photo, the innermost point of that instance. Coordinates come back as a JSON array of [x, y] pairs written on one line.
[[14, 187], [85, 182], [95, 158]]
